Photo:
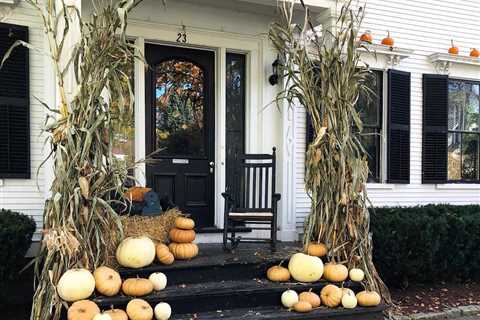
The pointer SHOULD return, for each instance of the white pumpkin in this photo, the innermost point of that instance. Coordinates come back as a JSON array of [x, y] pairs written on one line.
[[305, 268], [159, 280], [76, 284], [289, 298], [356, 274], [163, 311], [102, 316], [349, 301], [347, 291], [136, 252]]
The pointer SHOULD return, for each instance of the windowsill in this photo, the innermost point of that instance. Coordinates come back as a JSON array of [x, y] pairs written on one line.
[[458, 186], [380, 186]]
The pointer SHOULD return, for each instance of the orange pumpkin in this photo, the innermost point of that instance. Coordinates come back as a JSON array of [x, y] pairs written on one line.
[[137, 287], [474, 53], [366, 37], [107, 281], [183, 251], [388, 41], [182, 236], [83, 310], [331, 295], [453, 49], [317, 249], [117, 314], [311, 298], [164, 255], [368, 299], [138, 309], [278, 274], [302, 306], [184, 223], [136, 193]]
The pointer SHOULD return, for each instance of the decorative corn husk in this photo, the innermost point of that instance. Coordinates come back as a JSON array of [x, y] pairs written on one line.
[[78, 218], [325, 75]]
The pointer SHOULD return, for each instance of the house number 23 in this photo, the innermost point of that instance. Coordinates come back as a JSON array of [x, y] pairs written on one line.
[[182, 37]]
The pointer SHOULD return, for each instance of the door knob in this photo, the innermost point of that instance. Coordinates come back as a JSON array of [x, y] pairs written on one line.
[[212, 166]]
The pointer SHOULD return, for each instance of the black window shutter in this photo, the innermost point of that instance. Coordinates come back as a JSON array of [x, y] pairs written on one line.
[[310, 130], [14, 105], [435, 122], [398, 149]]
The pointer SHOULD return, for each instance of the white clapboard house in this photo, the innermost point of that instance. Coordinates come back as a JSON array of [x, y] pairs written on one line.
[[426, 116]]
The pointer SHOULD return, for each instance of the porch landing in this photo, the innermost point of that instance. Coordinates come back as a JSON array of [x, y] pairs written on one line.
[[222, 285]]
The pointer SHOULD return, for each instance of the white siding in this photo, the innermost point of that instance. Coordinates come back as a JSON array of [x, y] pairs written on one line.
[[425, 26], [17, 194]]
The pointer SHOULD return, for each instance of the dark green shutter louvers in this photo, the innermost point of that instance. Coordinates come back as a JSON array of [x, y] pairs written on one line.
[[435, 126], [14, 105], [398, 154]]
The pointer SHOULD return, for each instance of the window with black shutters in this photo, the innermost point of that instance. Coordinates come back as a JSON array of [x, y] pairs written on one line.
[[463, 131], [14, 105]]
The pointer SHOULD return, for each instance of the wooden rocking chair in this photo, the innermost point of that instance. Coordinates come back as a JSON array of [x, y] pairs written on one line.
[[251, 200]]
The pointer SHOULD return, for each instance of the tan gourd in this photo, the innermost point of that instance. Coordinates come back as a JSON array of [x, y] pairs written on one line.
[[138, 309], [184, 223], [182, 236], [335, 272], [331, 296], [82, 310], [317, 249], [137, 287], [302, 306], [311, 298], [164, 255], [107, 281], [117, 314], [278, 274], [183, 251], [368, 299]]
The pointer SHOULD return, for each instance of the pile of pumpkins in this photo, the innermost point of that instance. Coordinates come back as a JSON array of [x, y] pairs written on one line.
[[308, 267], [77, 285], [181, 239]]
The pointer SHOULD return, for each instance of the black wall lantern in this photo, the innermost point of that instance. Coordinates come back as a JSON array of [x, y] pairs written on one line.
[[273, 79]]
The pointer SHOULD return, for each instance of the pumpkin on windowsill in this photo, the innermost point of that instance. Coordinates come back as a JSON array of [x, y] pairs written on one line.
[[366, 37], [474, 53], [453, 49], [388, 41]]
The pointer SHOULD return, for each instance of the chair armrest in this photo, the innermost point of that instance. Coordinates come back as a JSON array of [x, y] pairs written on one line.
[[277, 196], [227, 196]]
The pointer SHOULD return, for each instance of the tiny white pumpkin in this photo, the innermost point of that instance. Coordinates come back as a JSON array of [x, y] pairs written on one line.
[[349, 301], [136, 252], [159, 280], [163, 311], [356, 274], [289, 298], [102, 316], [76, 284]]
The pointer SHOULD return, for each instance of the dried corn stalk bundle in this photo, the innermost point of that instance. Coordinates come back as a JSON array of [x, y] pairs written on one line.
[[324, 74], [78, 218]]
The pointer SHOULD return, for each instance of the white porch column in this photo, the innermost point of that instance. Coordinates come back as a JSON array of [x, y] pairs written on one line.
[[139, 113]]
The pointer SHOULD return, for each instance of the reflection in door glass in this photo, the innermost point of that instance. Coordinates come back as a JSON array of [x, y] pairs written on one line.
[[179, 102]]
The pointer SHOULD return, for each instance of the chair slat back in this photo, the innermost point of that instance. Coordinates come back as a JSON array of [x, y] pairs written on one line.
[[254, 182]]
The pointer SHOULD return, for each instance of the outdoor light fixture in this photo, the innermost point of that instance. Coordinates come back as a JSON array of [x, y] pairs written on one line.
[[273, 79]]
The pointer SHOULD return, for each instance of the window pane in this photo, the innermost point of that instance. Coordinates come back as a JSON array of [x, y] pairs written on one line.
[[464, 106], [454, 156], [370, 102], [470, 156], [370, 139], [179, 95]]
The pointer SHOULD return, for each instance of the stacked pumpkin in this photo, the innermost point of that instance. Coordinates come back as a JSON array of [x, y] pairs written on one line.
[[182, 237], [308, 267]]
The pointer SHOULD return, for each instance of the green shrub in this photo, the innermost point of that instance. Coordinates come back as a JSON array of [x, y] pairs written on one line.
[[16, 232], [425, 244]]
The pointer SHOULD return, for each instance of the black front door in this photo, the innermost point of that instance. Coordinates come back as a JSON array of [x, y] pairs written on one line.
[[180, 123]]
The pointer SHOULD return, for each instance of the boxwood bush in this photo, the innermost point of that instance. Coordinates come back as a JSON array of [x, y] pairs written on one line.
[[16, 232], [425, 244]]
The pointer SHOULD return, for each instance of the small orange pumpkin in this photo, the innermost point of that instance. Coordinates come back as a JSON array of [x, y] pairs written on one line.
[[117, 314], [331, 295], [164, 255], [311, 298], [366, 37], [138, 309], [83, 310], [184, 223], [335, 272], [453, 49], [136, 193], [474, 53], [107, 281], [368, 299], [278, 274], [317, 249], [388, 41], [302, 306], [183, 251], [182, 236], [137, 287]]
